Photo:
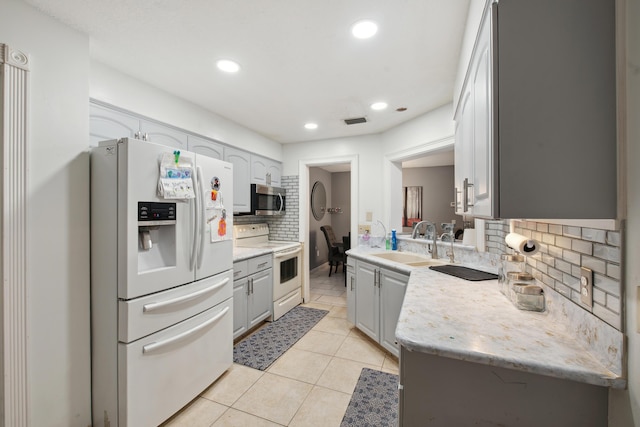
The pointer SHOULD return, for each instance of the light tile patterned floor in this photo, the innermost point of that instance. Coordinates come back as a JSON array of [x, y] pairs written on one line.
[[309, 385]]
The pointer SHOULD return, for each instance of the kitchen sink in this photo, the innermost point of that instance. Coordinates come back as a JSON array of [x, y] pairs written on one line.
[[414, 260]]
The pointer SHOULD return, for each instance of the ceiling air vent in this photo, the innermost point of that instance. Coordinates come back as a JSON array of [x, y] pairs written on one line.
[[355, 120]]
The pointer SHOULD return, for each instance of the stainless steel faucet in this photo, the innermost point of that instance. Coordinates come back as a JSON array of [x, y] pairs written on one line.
[[415, 234], [448, 230]]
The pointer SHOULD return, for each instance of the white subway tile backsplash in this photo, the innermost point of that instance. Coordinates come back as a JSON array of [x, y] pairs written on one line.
[[608, 316], [563, 250], [613, 303], [599, 297], [572, 231], [609, 253], [563, 266], [594, 235], [613, 238], [597, 265], [607, 284], [572, 257], [563, 289], [555, 229], [563, 242], [613, 270], [582, 246]]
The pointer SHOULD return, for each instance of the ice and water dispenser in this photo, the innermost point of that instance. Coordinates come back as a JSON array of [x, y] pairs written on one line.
[[157, 235]]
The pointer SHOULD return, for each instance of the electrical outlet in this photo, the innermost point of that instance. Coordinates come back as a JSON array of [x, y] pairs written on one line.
[[369, 216], [586, 286], [362, 228]]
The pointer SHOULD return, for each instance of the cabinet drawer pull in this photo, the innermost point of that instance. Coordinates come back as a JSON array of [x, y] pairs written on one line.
[[158, 305], [261, 265], [160, 344]]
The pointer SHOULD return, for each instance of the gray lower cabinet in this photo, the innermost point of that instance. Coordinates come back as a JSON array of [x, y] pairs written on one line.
[[252, 293], [379, 293], [441, 391]]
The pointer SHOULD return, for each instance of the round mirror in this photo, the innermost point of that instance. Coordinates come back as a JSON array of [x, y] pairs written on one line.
[[318, 200]]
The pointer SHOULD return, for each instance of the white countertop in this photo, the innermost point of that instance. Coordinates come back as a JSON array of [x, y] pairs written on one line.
[[241, 253], [472, 321]]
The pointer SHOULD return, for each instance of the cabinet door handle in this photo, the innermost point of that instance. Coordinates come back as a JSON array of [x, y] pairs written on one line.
[[351, 282], [466, 204], [252, 286]]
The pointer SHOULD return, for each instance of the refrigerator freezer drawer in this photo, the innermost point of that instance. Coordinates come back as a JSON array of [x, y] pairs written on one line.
[[145, 315], [161, 373]]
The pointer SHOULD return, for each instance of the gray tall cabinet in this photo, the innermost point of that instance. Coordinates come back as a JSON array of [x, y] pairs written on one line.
[[536, 119]]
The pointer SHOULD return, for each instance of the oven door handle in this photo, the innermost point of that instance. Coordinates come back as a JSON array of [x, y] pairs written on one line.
[[284, 254], [158, 305], [160, 344]]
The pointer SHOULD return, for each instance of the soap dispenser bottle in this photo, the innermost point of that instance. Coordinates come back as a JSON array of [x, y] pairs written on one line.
[[394, 240]]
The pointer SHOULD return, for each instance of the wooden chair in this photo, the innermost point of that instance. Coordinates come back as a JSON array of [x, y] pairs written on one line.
[[336, 249]]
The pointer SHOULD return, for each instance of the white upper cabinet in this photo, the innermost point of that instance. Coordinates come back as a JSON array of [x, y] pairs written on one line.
[[107, 123], [206, 147], [241, 161], [161, 134], [265, 171], [536, 119]]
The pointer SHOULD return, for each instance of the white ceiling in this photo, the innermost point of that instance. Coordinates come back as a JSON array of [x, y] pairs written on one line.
[[299, 61]]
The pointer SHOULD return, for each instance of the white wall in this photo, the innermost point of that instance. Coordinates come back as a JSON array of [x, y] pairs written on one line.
[[113, 87], [341, 198], [58, 215], [367, 148]]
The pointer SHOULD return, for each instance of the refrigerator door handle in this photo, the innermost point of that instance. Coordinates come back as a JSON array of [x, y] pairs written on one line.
[[160, 344], [201, 221], [162, 304], [196, 210]]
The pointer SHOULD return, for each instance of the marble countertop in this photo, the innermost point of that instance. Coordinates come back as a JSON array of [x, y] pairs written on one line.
[[472, 321]]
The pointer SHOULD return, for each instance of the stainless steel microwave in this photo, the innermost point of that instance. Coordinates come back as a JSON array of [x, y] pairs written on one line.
[[267, 200]]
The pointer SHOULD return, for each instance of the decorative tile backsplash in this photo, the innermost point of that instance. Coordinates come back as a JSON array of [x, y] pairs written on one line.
[[285, 228], [563, 250]]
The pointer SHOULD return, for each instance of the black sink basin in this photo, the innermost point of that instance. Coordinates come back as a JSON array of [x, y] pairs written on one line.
[[464, 272]]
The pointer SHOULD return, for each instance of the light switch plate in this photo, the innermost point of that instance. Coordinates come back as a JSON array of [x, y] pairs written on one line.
[[586, 286], [369, 216]]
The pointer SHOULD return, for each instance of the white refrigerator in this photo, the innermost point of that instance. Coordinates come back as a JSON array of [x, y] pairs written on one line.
[[161, 279]]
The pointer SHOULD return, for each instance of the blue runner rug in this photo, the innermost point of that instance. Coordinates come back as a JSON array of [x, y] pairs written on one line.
[[260, 349], [374, 402]]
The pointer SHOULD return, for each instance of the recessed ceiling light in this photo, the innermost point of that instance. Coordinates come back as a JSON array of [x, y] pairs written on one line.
[[364, 29], [228, 66], [311, 126], [378, 105]]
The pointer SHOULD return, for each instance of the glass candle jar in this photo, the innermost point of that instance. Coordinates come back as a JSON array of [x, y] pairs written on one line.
[[509, 264]]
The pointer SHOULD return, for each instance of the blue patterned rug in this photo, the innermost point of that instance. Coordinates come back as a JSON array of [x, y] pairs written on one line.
[[374, 402], [261, 349]]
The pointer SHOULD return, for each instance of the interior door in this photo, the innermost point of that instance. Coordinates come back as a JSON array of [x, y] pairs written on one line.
[[215, 245]]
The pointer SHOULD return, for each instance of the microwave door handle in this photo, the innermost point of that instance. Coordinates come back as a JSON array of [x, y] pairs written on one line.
[[281, 202], [201, 222], [194, 237]]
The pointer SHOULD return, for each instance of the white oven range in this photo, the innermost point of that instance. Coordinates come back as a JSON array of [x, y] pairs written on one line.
[[287, 264]]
